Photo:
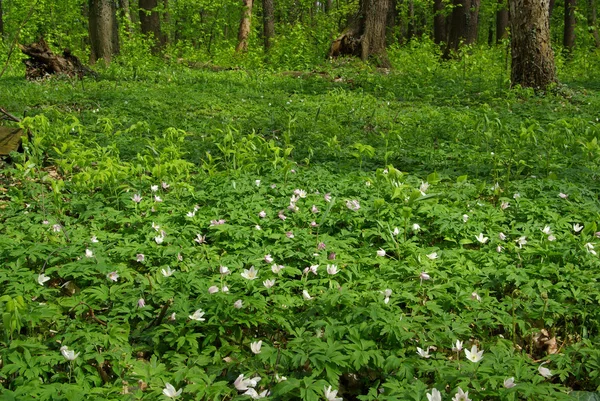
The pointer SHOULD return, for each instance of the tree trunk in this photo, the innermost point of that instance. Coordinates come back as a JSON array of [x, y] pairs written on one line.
[[244, 30], [410, 33], [473, 22], [532, 56], [166, 20], [328, 5], [150, 22], [126, 14], [103, 30], [1, 22], [550, 8], [591, 17], [501, 22], [268, 22], [458, 26], [365, 36], [439, 22], [569, 32]]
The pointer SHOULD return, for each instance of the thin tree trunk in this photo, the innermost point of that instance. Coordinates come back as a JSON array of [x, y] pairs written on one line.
[[166, 20], [591, 17], [103, 30], [244, 30], [126, 14], [532, 56], [1, 22], [439, 22], [569, 32], [501, 22], [150, 22], [410, 33], [328, 5], [268, 22]]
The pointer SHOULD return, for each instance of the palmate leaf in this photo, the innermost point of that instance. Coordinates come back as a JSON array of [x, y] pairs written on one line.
[[584, 396]]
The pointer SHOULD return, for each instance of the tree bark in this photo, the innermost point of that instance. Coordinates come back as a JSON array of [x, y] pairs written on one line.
[[1, 22], [410, 33], [569, 26], [365, 36], [244, 30], [268, 22], [532, 56], [591, 17], [473, 22], [126, 14], [439, 22], [150, 22], [550, 8], [458, 26], [501, 22], [103, 30]]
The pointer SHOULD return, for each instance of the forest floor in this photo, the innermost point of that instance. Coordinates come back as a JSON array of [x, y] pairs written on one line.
[[365, 230]]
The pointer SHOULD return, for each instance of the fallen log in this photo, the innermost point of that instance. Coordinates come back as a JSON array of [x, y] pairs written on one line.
[[42, 62]]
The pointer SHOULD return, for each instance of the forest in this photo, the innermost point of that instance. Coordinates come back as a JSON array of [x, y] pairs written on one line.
[[299, 200]]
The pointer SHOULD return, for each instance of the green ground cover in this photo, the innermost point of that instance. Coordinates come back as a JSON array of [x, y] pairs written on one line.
[[438, 206]]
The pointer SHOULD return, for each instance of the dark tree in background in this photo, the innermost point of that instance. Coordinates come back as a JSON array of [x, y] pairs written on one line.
[[268, 22], [464, 22], [103, 30], [439, 22], [1, 22], [365, 35], [569, 27], [150, 22], [502, 21], [591, 19], [532, 56]]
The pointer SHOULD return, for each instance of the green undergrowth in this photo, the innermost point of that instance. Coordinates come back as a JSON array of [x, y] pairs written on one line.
[[393, 210]]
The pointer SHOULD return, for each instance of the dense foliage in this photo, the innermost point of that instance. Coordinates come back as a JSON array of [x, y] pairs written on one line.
[[388, 216]]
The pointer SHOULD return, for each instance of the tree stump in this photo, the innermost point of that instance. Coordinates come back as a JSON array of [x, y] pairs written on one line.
[[42, 62]]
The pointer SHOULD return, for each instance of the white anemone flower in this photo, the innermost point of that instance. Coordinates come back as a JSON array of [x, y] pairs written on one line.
[[423, 353], [197, 316], [435, 395], [255, 347], [547, 373], [331, 395], [170, 391], [250, 274], [69, 354], [42, 278], [474, 355]]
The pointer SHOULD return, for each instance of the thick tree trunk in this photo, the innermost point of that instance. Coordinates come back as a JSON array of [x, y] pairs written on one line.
[[501, 22], [591, 18], [244, 30], [268, 22], [569, 32], [458, 26], [532, 56], [473, 22], [103, 30], [150, 22], [365, 36], [166, 21], [439, 22]]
